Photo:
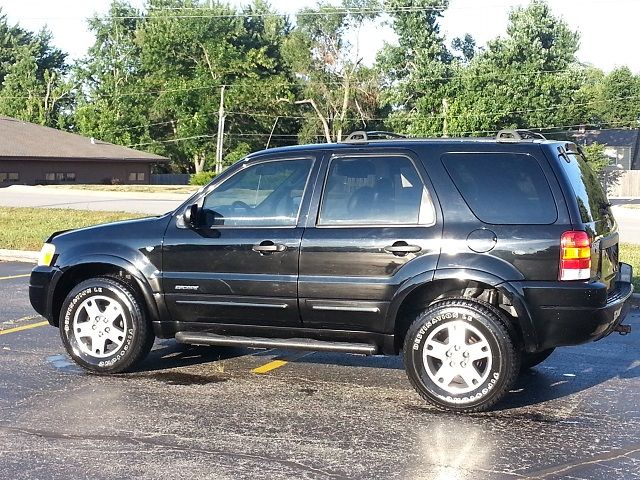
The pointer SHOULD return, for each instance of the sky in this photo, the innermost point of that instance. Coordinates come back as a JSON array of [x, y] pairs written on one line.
[[609, 28]]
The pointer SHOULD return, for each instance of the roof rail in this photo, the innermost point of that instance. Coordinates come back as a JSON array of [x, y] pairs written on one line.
[[517, 135], [360, 136]]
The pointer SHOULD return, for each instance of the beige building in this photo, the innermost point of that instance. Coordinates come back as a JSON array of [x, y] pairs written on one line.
[[31, 154]]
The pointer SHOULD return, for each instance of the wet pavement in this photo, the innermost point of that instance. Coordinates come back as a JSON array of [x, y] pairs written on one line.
[[196, 412]]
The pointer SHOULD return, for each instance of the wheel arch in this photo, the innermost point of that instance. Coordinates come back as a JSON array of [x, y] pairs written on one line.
[[102, 265], [420, 292]]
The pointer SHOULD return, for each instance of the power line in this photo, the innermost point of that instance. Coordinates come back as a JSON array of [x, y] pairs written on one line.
[[297, 82]]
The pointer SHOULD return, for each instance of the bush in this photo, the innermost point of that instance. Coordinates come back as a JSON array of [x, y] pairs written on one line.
[[201, 178]]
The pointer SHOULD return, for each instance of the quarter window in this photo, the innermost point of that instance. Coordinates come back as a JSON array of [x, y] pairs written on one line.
[[375, 191], [263, 194], [501, 188]]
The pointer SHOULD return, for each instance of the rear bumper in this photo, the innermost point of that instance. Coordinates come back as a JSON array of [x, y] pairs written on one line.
[[564, 313], [40, 291]]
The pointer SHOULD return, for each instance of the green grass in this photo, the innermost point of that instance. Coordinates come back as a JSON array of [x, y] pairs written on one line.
[[28, 228], [630, 254], [186, 189]]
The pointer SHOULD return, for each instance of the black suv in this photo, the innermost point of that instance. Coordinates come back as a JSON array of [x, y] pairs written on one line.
[[474, 257]]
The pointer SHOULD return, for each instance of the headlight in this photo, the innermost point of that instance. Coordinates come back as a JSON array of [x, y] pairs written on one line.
[[46, 254]]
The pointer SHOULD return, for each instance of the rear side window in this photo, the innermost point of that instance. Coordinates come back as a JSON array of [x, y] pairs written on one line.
[[503, 188], [372, 190], [586, 186]]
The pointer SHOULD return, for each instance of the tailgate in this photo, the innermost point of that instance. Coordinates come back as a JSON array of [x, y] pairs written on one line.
[[604, 260]]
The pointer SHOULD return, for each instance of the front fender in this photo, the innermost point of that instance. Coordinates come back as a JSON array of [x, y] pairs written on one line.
[[146, 276]]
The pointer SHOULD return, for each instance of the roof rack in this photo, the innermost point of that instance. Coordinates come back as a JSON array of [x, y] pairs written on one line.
[[360, 136], [517, 135]]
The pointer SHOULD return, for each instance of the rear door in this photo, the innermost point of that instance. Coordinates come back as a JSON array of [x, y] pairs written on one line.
[[375, 215]]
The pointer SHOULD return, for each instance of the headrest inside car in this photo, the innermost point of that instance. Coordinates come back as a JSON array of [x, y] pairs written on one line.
[[355, 168]]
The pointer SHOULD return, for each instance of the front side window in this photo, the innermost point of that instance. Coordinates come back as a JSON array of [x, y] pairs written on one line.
[[260, 195], [385, 190]]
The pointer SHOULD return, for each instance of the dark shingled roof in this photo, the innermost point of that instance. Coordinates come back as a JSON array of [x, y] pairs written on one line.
[[26, 140], [618, 137]]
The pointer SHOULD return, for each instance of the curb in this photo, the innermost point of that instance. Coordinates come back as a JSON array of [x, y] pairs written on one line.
[[28, 189], [18, 256]]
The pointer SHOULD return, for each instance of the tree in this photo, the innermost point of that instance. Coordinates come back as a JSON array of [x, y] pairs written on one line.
[[336, 92], [193, 55], [32, 76], [527, 79], [417, 69], [113, 103]]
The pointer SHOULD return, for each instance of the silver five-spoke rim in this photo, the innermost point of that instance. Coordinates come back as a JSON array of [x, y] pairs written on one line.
[[99, 326], [457, 357]]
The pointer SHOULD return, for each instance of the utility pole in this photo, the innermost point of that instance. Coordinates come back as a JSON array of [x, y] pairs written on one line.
[[220, 140], [445, 114]]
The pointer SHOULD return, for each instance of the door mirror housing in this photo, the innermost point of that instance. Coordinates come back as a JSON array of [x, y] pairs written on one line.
[[190, 216]]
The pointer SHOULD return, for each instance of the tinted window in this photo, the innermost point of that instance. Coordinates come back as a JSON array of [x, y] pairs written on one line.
[[264, 194], [586, 186], [503, 188], [375, 190]]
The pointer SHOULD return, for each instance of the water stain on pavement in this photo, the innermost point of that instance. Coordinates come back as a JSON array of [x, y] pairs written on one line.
[[181, 378]]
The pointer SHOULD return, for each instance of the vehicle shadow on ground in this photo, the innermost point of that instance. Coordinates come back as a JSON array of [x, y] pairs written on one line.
[[547, 382], [171, 354]]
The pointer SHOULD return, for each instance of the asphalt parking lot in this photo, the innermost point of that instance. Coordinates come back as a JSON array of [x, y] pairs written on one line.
[[195, 412]]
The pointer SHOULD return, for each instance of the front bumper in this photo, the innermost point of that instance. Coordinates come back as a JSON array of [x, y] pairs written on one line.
[[41, 291], [565, 313]]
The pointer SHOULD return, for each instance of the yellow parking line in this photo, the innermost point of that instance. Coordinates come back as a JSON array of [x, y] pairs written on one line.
[[15, 276], [277, 363], [267, 367], [23, 327]]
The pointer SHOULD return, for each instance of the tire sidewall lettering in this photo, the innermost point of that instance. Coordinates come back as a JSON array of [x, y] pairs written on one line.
[[67, 322], [485, 389]]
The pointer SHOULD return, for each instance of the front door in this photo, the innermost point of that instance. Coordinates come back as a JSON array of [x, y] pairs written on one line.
[[239, 263], [376, 226]]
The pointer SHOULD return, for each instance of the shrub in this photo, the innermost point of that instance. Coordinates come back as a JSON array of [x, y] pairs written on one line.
[[201, 178]]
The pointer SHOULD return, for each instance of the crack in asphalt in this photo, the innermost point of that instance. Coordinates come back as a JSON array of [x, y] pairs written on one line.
[[154, 442], [596, 459]]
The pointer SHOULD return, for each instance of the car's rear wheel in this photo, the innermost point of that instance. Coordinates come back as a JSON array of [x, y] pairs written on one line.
[[103, 326], [460, 356], [530, 360]]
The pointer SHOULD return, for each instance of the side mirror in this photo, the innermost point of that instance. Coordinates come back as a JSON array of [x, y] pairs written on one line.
[[190, 216]]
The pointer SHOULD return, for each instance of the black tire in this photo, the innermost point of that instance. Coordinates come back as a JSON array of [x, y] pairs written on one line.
[[116, 313], [481, 325], [530, 360]]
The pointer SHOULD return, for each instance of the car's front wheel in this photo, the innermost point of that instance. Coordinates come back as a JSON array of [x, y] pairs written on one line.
[[460, 356], [103, 326]]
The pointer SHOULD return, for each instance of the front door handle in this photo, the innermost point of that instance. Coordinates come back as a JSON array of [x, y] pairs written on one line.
[[402, 248], [268, 246]]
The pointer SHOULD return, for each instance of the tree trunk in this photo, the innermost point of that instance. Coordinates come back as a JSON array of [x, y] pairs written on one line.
[[198, 162]]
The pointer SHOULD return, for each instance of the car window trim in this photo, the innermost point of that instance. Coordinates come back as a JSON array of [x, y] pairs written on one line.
[[375, 225]]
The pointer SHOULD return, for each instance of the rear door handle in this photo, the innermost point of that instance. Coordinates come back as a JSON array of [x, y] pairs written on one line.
[[402, 248], [268, 247]]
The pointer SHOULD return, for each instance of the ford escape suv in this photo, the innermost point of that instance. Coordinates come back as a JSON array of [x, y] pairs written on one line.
[[473, 257]]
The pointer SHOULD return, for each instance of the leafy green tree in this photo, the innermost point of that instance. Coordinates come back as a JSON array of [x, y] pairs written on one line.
[[32, 76], [112, 103], [196, 54], [527, 79], [416, 70]]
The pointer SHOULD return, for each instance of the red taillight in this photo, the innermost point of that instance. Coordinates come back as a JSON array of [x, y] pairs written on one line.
[[575, 256]]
